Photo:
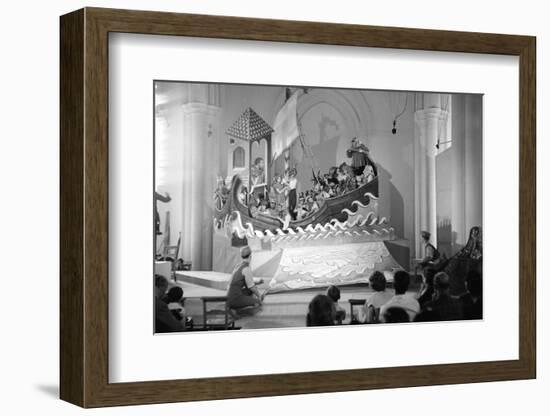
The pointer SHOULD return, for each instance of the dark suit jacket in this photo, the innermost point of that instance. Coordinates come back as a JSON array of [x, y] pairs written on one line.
[[164, 319]]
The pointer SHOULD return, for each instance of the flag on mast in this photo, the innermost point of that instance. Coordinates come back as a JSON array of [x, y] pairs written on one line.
[[285, 126]]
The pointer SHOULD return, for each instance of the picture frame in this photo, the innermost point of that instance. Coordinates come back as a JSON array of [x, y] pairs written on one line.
[[84, 217]]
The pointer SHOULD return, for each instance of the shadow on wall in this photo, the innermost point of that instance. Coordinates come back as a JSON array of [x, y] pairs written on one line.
[[445, 236], [391, 202], [455, 246]]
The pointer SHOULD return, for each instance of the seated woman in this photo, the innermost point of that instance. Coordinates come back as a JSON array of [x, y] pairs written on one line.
[[369, 312], [432, 257]]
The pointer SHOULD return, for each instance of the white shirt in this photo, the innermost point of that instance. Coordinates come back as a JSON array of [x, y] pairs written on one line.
[[377, 299], [292, 183], [406, 302]]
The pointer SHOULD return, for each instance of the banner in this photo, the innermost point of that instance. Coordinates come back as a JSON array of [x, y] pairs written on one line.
[[286, 127]]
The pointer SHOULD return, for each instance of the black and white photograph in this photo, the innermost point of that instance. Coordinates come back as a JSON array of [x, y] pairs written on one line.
[[275, 207], [296, 206]]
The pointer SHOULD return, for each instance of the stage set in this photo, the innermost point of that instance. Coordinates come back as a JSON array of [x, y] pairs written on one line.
[[321, 186]]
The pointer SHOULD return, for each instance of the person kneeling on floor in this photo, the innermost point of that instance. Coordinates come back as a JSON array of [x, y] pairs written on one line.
[[243, 293]]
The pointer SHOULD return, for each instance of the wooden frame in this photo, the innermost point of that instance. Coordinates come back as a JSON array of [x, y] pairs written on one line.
[[84, 207]]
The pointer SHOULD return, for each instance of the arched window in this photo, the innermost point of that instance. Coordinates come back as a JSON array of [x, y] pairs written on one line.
[[238, 157]]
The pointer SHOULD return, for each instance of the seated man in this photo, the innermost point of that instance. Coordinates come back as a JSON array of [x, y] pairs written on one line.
[[401, 299], [242, 290], [164, 319], [445, 306]]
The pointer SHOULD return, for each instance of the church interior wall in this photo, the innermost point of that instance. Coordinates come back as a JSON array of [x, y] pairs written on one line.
[[329, 120]]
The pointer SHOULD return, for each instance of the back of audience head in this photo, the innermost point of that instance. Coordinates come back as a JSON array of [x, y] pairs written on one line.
[[395, 315], [320, 311], [401, 281], [377, 281], [442, 283], [333, 293], [474, 283], [174, 294]]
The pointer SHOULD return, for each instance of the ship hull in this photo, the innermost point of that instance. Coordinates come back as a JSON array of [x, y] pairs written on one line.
[[331, 209]]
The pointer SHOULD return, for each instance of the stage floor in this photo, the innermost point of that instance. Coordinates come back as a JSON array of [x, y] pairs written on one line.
[[280, 310]]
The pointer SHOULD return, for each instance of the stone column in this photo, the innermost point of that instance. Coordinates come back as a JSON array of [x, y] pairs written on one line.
[[473, 161], [201, 161], [458, 226], [467, 166], [428, 122]]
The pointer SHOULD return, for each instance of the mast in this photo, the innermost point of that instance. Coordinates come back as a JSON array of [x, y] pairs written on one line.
[[308, 153], [288, 129]]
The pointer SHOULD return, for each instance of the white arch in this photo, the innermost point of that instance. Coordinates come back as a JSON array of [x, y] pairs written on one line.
[[352, 105]]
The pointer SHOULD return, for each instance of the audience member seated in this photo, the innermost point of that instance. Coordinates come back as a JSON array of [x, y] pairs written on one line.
[[395, 315], [447, 307], [472, 300], [370, 310], [334, 294], [432, 257], [427, 289], [401, 299], [164, 319], [320, 311], [174, 299]]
